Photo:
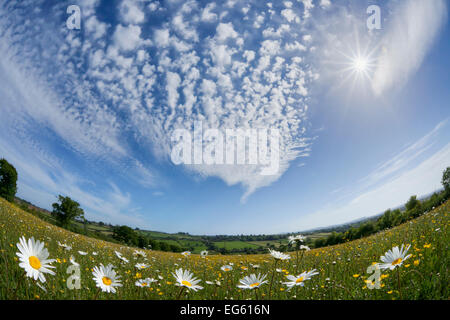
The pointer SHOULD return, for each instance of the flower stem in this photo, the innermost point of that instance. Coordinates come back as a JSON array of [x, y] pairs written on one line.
[[181, 291], [398, 282], [271, 281], [256, 294], [96, 295]]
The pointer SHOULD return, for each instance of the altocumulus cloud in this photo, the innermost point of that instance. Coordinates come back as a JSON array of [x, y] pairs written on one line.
[[123, 84], [407, 40]]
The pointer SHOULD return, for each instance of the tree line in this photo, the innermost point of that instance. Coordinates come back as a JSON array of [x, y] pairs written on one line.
[[67, 211], [391, 218]]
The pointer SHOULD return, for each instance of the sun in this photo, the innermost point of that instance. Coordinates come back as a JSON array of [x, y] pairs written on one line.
[[360, 64]]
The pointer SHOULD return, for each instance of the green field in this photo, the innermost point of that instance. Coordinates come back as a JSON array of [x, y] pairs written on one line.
[[235, 244], [342, 269], [193, 243]]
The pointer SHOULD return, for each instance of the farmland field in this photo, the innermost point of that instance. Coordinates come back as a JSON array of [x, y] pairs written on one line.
[[342, 269]]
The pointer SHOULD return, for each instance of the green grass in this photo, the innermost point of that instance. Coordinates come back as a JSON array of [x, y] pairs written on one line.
[[342, 268], [235, 245]]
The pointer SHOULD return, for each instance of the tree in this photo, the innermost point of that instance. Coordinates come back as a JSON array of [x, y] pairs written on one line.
[[446, 180], [142, 241], [66, 211], [125, 235], [386, 220], [412, 203], [8, 180]]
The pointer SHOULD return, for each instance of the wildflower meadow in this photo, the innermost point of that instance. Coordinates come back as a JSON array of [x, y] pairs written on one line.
[[41, 261]]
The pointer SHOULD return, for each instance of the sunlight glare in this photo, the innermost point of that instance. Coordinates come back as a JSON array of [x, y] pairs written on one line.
[[360, 64]]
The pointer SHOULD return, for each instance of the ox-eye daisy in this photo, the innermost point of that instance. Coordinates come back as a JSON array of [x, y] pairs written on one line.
[[140, 253], [33, 258], [72, 261], [119, 255], [279, 255], [186, 279], [106, 278], [226, 268], [252, 281], [296, 239], [65, 246], [141, 266], [186, 253], [300, 279], [394, 258], [144, 282]]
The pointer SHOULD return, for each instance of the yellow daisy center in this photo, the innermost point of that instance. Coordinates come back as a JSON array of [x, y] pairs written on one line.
[[226, 269], [106, 281], [144, 284], [186, 283], [254, 284], [35, 263], [299, 280], [396, 261]]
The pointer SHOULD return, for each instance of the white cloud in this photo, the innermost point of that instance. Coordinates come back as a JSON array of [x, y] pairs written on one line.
[[131, 13], [288, 14], [42, 178], [225, 31], [152, 88], [127, 38], [207, 15], [421, 180], [249, 55], [154, 6], [308, 6], [414, 27], [325, 3], [173, 82], [96, 27], [405, 157], [88, 6], [162, 37], [182, 25]]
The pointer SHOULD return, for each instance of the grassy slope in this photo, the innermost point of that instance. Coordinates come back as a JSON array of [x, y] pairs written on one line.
[[195, 242], [342, 268]]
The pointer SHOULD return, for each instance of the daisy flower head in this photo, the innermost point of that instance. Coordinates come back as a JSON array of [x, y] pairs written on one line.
[[119, 255], [306, 248], [204, 253], [300, 279], [65, 246], [395, 257], [226, 268], [106, 278], [252, 281], [140, 253], [82, 253], [186, 253], [186, 279], [141, 266], [279, 255], [296, 239], [72, 261], [145, 282], [34, 258]]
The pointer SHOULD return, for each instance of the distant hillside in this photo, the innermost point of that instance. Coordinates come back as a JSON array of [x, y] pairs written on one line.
[[224, 244]]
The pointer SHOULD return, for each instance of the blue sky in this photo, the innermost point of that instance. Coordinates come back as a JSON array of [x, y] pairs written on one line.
[[89, 113]]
